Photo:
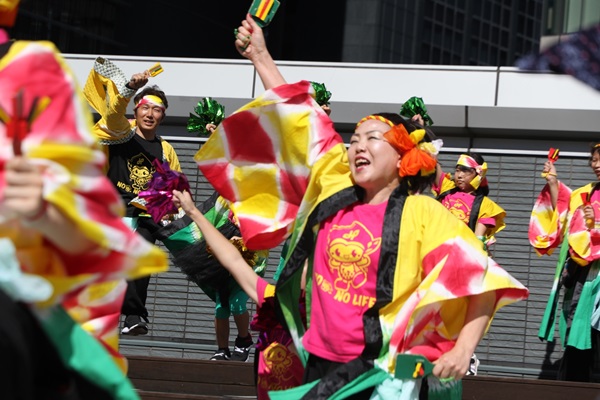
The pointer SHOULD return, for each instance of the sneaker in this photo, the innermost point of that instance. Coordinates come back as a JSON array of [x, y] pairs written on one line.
[[242, 348], [134, 326], [221, 355], [473, 366]]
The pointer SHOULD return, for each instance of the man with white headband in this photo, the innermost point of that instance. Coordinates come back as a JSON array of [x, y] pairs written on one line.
[[130, 147]]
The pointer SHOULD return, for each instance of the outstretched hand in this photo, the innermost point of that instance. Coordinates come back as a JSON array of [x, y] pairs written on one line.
[[249, 40]]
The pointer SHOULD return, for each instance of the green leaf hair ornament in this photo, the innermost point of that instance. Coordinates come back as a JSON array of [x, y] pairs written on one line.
[[322, 95], [414, 106], [209, 111]]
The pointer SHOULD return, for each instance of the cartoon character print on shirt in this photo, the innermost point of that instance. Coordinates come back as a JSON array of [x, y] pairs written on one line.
[[140, 172], [278, 361], [349, 249], [458, 208]]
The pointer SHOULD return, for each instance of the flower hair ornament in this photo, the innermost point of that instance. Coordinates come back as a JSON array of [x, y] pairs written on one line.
[[481, 170], [415, 158]]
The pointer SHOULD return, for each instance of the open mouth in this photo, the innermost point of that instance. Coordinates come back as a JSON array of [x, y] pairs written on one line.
[[361, 162]]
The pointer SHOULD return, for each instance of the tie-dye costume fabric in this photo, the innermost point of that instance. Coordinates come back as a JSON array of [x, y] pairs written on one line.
[[285, 132], [89, 287], [274, 160], [577, 267]]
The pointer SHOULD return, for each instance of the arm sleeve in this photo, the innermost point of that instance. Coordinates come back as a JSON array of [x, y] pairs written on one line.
[[546, 225], [302, 161], [492, 216], [584, 243], [447, 265], [264, 290], [171, 156], [106, 93]]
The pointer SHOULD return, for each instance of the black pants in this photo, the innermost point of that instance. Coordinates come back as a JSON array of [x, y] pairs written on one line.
[[134, 302], [30, 367], [317, 367], [577, 365]]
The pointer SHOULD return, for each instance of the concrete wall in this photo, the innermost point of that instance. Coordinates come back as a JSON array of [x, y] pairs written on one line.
[[464, 101]]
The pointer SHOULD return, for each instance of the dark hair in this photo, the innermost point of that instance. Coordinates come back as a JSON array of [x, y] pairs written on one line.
[[594, 148], [415, 183], [154, 91], [484, 190], [476, 156]]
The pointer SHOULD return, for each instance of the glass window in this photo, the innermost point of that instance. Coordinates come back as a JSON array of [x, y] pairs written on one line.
[[449, 17], [460, 19]]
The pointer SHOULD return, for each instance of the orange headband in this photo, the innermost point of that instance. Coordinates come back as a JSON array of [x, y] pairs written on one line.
[[414, 159], [375, 117]]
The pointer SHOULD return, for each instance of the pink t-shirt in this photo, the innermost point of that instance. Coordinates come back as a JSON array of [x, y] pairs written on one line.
[[460, 205], [344, 280], [595, 201]]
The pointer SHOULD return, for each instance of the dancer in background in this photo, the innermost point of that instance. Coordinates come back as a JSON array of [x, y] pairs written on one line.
[[130, 146], [278, 364], [230, 300], [466, 196], [571, 220]]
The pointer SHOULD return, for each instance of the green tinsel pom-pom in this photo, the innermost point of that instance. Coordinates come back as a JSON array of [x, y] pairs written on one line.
[[209, 111], [322, 95], [414, 106]]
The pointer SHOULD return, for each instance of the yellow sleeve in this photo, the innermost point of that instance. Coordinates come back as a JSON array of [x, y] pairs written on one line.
[[105, 91], [489, 209], [269, 291], [171, 156]]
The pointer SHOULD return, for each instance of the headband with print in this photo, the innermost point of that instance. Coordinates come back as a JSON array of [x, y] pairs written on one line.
[[481, 170], [153, 100]]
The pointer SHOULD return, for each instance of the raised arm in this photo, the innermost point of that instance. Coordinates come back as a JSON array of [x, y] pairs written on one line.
[[227, 254], [108, 91], [115, 119], [250, 43]]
